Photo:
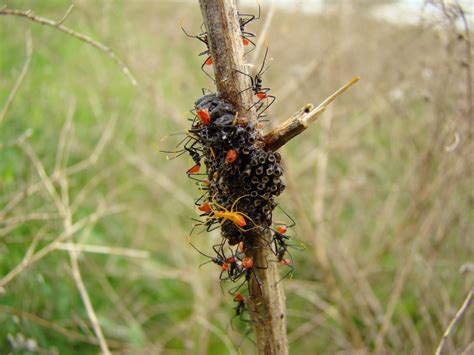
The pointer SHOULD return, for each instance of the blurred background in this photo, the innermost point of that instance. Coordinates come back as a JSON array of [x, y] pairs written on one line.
[[94, 221]]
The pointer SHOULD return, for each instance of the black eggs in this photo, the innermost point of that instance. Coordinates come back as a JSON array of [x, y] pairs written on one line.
[[242, 177]]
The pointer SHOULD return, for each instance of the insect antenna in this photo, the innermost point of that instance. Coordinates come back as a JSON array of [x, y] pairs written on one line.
[[200, 252], [293, 223], [262, 71]]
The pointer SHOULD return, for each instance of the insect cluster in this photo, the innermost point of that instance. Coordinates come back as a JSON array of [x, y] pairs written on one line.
[[240, 181]]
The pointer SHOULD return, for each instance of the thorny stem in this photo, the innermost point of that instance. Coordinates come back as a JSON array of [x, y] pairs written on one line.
[[266, 301]]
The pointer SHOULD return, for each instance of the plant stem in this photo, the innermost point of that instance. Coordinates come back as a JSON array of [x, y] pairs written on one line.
[[266, 301]]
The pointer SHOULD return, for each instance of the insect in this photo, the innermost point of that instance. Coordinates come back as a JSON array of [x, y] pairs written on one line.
[[203, 114], [241, 306], [205, 208], [189, 143], [189, 146], [248, 268], [248, 273], [239, 311], [280, 241], [280, 250], [202, 37], [260, 92], [196, 156], [229, 265], [247, 263], [238, 218], [281, 246], [231, 156], [244, 20], [194, 169]]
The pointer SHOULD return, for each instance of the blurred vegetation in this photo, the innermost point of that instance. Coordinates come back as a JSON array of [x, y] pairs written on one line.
[[381, 188]]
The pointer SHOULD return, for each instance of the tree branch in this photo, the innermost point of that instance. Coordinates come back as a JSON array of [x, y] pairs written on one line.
[[301, 120], [225, 43], [266, 301]]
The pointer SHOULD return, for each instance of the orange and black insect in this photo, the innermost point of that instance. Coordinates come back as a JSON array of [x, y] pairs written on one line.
[[259, 91], [202, 37], [240, 308], [280, 241], [231, 156], [203, 115], [248, 268], [189, 145], [240, 219], [229, 265], [244, 20]]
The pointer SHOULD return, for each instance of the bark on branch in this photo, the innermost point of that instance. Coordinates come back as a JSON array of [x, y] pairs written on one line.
[[266, 302]]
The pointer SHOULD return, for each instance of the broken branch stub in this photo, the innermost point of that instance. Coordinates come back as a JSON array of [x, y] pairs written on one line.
[[301, 120]]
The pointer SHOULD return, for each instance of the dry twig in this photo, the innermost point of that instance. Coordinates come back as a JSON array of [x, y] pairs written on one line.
[[64, 208], [28, 14], [104, 249], [19, 80], [301, 120], [454, 321]]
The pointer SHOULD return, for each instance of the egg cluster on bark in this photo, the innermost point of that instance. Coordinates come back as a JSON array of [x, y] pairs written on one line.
[[241, 176]]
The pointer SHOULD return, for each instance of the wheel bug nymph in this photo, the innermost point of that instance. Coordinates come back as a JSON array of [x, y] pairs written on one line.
[[229, 265], [244, 20], [259, 91], [189, 145], [280, 241], [202, 37], [240, 308]]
